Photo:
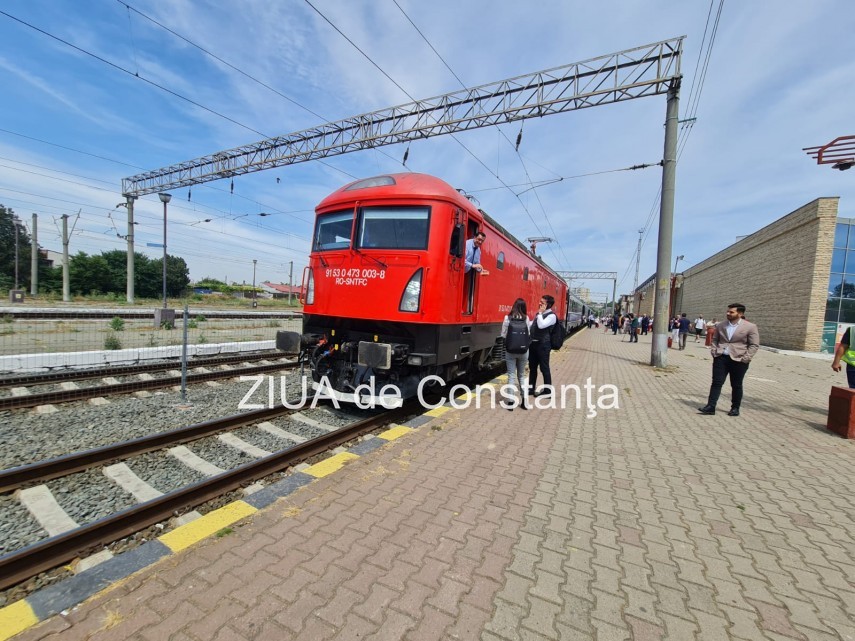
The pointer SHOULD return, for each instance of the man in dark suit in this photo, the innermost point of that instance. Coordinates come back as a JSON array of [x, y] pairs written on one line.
[[734, 343]]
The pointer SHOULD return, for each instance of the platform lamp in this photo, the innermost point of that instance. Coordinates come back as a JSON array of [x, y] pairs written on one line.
[[164, 198], [674, 287]]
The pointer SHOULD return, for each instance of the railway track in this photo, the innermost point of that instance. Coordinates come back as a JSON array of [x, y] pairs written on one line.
[[30, 482], [28, 391]]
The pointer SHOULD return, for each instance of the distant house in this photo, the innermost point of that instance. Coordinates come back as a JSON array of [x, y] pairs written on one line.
[[279, 290]]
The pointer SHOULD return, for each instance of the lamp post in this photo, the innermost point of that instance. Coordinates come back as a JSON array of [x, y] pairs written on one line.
[[674, 287], [15, 222], [164, 198], [254, 303]]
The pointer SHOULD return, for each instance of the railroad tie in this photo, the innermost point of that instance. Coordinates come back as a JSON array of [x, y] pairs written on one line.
[[302, 418], [194, 462], [270, 428], [121, 474], [239, 444]]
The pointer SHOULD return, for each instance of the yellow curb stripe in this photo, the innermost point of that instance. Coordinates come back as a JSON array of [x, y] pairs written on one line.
[[193, 532], [330, 465], [16, 618], [439, 411], [396, 432]]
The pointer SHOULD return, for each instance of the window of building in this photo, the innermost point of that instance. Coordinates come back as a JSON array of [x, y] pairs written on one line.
[[840, 304]]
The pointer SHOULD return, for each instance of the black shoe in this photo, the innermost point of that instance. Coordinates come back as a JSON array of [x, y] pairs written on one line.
[[543, 392], [707, 409], [523, 406], [733, 412]]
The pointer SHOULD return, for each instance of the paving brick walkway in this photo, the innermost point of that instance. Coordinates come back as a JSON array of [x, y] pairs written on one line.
[[648, 521]]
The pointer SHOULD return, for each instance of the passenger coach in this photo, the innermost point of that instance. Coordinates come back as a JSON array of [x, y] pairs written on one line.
[[385, 297]]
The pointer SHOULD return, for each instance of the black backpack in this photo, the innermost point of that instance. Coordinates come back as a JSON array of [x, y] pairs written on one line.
[[518, 338], [558, 334]]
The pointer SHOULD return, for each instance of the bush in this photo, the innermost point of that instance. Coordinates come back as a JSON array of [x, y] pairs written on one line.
[[167, 325], [117, 324], [112, 342], [202, 339], [200, 318], [192, 324]]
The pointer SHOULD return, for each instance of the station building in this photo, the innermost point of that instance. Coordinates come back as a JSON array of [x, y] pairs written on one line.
[[795, 276]]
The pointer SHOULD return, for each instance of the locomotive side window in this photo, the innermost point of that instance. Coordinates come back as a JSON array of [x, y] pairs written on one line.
[[525, 273], [393, 228], [500, 260], [333, 231]]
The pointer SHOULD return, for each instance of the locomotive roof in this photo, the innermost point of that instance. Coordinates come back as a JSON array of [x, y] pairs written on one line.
[[414, 184]]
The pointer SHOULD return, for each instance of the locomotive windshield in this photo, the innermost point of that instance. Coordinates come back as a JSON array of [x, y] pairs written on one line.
[[393, 228], [333, 231]]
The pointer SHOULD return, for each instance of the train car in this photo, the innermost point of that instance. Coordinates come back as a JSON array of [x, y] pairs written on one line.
[[386, 299]]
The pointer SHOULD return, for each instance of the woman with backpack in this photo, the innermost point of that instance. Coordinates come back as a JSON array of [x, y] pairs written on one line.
[[515, 331]]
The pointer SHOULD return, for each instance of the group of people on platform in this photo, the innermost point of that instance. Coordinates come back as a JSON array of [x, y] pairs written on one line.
[[733, 343]]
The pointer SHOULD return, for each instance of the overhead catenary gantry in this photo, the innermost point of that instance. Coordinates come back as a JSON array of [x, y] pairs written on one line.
[[649, 70], [569, 277], [635, 73]]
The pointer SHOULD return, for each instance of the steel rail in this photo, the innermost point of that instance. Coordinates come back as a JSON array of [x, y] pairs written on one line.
[[25, 563], [67, 396], [16, 477], [126, 370]]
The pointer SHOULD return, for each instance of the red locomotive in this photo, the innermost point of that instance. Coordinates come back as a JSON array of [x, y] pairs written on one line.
[[386, 297]]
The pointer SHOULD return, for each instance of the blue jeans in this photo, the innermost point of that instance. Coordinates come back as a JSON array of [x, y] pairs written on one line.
[[516, 371]]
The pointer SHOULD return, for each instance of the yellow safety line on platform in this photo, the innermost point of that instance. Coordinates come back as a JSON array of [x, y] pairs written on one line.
[[395, 432], [439, 411], [193, 532], [330, 465], [16, 618]]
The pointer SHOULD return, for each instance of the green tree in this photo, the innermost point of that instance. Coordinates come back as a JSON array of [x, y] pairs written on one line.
[[47, 276]]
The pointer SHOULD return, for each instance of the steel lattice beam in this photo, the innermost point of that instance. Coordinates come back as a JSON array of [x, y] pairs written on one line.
[[634, 73], [588, 275]]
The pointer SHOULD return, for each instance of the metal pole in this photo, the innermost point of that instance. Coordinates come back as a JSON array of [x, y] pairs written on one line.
[[164, 198], [34, 258], [659, 347], [184, 356], [290, 281], [130, 284], [254, 261], [637, 267], [614, 296], [66, 285], [164, 255], [17, 281]]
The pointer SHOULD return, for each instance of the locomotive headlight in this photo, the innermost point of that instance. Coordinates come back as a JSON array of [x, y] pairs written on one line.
[[310, 288], [412, 293]]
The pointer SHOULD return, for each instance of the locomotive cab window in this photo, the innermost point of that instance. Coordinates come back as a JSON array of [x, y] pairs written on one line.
[[393, 228], [500, 260], [333, 231]]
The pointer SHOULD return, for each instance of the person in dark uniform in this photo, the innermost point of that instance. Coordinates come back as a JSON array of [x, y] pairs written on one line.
[[541, 345]]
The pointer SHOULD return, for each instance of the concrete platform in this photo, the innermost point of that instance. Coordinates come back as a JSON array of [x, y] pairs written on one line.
[[646, 521]]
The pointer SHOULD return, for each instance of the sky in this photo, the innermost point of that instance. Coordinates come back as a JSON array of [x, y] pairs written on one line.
[[99, 90]]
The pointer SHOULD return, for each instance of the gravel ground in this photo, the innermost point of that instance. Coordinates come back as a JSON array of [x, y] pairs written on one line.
[[17, 528], [27, 437]]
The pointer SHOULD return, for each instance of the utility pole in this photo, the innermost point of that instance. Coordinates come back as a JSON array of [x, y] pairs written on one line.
[[16, 222], [290, 281], [659, 347], [34, 258], [637, 267], [66, 285], [129, 295], [254, 302]]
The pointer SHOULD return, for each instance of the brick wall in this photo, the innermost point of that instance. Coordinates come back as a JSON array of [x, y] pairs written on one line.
[[780, 273]]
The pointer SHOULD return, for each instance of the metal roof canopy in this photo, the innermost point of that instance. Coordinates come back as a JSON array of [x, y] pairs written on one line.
[[840, 152], [634, 73]]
